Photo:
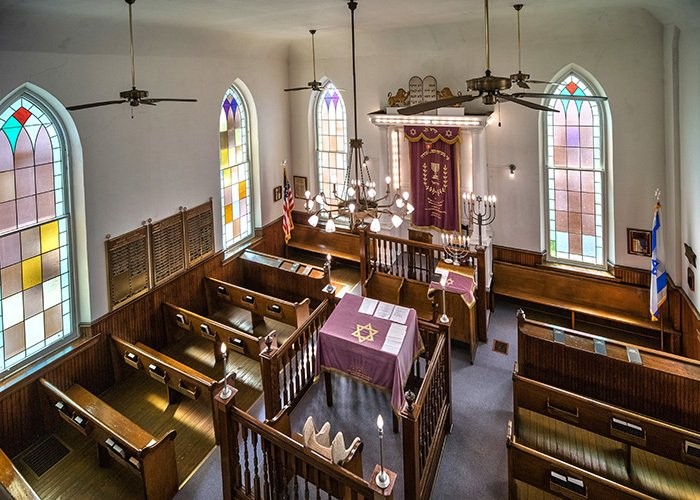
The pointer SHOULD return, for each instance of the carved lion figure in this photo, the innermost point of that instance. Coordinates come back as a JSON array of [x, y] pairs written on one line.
[[398, 100]]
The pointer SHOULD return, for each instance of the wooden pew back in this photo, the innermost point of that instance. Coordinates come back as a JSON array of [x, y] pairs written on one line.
[[662, 386], [117, 436], [341, 244], [178, 319], [630, 428], [221, 294], [12, 483]]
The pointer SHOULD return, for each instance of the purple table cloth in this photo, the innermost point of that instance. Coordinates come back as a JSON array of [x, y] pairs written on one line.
[[459, 280], [339, 350]]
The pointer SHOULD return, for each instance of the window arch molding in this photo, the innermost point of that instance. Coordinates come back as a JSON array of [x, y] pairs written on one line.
[[577, 220], [47, 109], [252, 179]]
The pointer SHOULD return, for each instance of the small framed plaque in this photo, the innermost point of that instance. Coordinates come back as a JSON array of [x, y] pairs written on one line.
[[639, 242], [300, 186]]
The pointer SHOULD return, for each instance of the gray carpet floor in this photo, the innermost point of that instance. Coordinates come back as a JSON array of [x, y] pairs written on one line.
[[473, 465]]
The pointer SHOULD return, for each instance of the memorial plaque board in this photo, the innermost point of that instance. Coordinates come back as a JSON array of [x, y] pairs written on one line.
[[199, 233], [167, 248], [128, 273]]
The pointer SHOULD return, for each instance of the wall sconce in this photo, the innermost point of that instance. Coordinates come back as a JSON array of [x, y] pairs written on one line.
[[512, 170]]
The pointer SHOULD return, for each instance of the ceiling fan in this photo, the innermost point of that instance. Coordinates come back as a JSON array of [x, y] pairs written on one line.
[[134, 96], [490, 88], [522, 79], [314, 85]]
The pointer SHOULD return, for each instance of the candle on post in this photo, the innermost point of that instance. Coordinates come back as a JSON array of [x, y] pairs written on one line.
[[382, 478], [444, 318], [226, 391]]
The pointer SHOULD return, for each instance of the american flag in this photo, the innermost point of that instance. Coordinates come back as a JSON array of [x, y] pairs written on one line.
[[287, 223]]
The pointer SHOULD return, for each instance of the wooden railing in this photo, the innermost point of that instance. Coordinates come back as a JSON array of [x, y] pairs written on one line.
[[118, 437], [426, 419], [657, 384], [287, 370]]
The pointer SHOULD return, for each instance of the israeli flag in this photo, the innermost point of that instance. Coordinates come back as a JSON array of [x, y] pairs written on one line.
[[657, 294]]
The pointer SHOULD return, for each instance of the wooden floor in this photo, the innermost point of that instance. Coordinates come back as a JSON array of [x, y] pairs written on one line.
[[144, 401]]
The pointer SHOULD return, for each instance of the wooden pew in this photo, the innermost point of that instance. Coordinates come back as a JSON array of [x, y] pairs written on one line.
[[284, 278], [178, 378], [660, 385], [118, 437], [602, 302], [340, 244], [641, 453], [221, 295], [12, 483], [178, 319]]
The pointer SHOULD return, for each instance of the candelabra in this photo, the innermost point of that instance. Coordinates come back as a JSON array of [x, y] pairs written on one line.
[[382, 478], [358, 199], [480, 210], [226, 392], [456, 248]]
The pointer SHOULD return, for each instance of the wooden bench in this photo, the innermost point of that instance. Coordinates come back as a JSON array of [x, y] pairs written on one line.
[[587, 299], [221, 295], [340, 244], [647, 381], [118, 437], [178, 378], [645, 454], [12, 483], [178, 319]]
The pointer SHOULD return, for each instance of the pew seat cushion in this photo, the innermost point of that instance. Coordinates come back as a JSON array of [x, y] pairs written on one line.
[[574, 445]]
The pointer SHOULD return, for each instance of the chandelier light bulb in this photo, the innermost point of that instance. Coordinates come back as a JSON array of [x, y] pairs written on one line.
[[319, 198], [399, 202], [405, 195], [409, 208], [313, 220], [371, 192], [351, 190], [351, 207], [396, 220], [330, 226], [375, 226], [388, 179], [309, 204], [464, 196], [307, 195]]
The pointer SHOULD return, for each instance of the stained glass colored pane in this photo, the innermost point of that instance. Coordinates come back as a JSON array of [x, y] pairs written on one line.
[[573, 156], [35, 280], [331, 139], [235, 166]]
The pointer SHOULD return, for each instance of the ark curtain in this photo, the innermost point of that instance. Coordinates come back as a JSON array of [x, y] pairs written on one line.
[[434, 156]]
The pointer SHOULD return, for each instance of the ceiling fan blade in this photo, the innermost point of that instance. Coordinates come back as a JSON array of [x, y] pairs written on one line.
[[522, 85], [542, 82], [430, 105], [543, 95], [93, 105], [153, 100], [528, 104], [293, 89]]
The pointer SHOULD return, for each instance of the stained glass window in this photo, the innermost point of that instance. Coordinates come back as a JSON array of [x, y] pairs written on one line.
[[35, 264], [575, 167], [331, 139], [235, 169]]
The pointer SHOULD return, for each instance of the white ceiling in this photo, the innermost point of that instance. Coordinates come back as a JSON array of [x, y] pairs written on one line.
[[291, 19]]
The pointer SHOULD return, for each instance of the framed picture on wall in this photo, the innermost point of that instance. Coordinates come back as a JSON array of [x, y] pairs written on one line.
[[277, 193], [300, 186], [639, 242]]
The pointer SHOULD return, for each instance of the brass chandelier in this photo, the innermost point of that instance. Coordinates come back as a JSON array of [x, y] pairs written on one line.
[[358, 200]]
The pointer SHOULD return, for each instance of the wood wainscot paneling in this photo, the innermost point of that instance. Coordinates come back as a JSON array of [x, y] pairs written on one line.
[[517, 256], [690, 321]]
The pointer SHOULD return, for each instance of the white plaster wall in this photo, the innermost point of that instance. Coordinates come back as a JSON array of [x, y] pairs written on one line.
[[689, 69], [622, 48], [166, 157]]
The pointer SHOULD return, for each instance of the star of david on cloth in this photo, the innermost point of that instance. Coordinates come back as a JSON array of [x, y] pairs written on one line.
[[450, 281], [412, 131], [369, 334], [448, 133]]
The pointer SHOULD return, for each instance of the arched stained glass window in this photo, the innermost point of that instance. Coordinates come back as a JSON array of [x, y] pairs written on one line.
[[575, 176], [331, 138], [235, 169], [35, 262]]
